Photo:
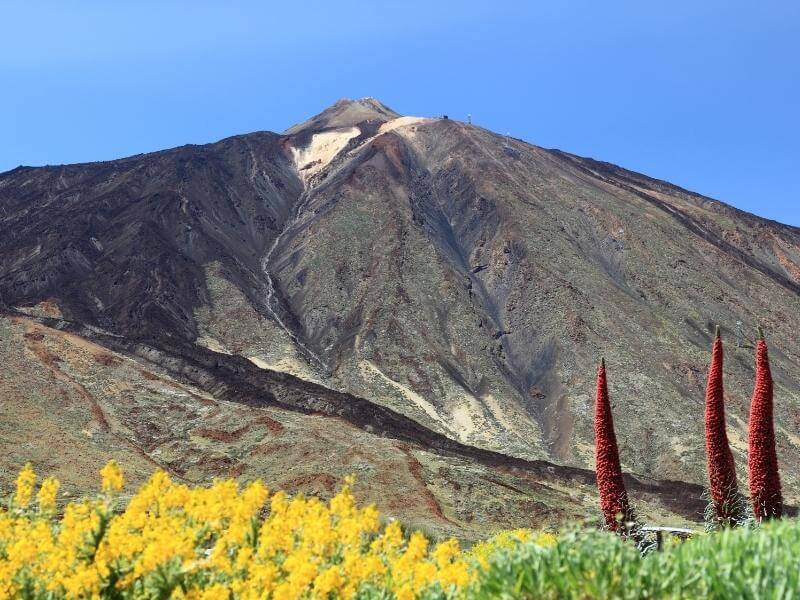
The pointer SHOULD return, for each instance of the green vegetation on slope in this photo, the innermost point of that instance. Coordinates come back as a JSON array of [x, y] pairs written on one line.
[[735, 563]]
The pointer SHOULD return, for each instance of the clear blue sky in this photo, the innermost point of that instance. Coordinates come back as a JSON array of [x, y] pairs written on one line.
[[703, 94]]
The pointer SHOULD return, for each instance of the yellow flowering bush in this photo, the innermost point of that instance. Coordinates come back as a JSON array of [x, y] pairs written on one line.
[[510, 540], [221, 541]]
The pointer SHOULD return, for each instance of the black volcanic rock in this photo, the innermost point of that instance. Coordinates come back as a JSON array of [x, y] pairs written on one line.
[[121, 243]]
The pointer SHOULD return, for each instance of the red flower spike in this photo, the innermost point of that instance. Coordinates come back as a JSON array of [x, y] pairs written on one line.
[[762, 461], [721, 467], [613, 497]]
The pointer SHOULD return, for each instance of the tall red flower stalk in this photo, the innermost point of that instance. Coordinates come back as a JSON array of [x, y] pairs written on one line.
[[762, 463], [613, 497], [721, 467]]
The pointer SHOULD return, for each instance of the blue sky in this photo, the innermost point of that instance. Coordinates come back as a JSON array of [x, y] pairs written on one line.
[[703, 94]]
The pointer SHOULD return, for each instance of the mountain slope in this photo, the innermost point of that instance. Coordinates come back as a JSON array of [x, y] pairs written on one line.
[[466, 280]]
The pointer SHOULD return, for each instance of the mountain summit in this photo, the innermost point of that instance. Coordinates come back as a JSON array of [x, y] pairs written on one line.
[[439, 292], [346, 113]]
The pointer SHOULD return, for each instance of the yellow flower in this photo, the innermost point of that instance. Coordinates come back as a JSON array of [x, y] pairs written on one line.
[[24, 486], [417, 546], [113, 480], [405, 592], [445, 552], [216, 591], [546, 540], [391, 539], [328, 582], [47, 495], [217, 541]]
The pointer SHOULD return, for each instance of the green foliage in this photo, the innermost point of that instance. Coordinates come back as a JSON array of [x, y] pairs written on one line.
[[739, 507], [733, 563]]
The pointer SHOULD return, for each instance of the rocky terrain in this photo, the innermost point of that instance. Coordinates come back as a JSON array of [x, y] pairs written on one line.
[[438, 293]]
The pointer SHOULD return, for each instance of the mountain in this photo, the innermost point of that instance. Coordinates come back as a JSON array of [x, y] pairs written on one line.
[[417, 300]]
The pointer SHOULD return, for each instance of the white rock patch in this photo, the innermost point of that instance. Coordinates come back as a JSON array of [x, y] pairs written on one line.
[[463, 419], [287, 365], [321, 151], [370, 367], [400, 122]]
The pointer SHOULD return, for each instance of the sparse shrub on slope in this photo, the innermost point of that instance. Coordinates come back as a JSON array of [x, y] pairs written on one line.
[[762, 462]]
